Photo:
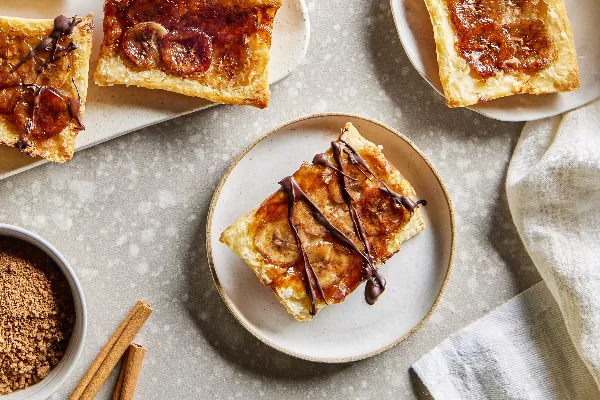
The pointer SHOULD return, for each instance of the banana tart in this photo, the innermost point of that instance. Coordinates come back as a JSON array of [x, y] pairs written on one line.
[[44, 66], [329, 227], [488, 49], [215, 49]]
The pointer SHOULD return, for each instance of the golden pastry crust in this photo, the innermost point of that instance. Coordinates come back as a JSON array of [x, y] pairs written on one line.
[[462, 87], [341, 273], [59, 148], [249, 88]]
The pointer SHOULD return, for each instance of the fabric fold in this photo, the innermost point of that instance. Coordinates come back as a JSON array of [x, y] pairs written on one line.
[[521, 350]]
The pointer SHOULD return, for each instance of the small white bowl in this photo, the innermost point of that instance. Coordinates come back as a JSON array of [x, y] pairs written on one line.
[[50, 384]]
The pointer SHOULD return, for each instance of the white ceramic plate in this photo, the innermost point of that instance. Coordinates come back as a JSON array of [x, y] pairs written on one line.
[[416, 35], [351, 330], [114, 111]]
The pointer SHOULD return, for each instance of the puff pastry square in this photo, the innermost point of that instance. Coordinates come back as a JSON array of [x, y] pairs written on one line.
[[264, 238], [53, 85], [488, 49], [215, 49]]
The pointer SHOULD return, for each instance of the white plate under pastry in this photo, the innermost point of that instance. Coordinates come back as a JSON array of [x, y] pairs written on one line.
[[351, 330], [114, 111], [416, 34]]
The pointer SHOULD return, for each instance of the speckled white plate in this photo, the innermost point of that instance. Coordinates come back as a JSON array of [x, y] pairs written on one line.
[[416, 35], [352, 330], [114, 111]]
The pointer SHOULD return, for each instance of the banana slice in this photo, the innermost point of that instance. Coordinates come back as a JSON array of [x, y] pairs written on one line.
[[187, 51], [50, 117], [141, 43], [277, 243], [51, 114], [379, 213], [329, 261], [335, 190], [305, 222], [235, 60]]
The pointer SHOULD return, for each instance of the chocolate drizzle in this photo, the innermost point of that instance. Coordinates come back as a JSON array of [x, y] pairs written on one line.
[[375, 285], [291, 188], [406, 202], [375, 282], [321, 159], [63, 26], [75, 107]]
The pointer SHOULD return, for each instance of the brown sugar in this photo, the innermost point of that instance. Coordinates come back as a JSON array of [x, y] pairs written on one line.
[[36, 315]]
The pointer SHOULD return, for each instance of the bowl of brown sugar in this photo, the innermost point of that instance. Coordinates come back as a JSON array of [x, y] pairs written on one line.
[[42, 316]]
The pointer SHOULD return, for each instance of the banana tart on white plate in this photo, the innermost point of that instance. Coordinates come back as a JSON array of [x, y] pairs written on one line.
[[488, 49], [334, 222]]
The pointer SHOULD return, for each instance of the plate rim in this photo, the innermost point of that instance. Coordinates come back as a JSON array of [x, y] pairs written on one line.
[[228, 302]]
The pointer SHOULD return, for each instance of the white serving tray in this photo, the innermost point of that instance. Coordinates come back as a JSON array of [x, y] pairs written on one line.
[[114, 111]]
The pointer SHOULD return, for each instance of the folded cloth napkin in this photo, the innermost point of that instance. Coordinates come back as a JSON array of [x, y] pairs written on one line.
[[544, 343]]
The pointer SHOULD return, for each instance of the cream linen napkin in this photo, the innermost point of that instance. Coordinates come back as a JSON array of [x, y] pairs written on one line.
[[544, 343]]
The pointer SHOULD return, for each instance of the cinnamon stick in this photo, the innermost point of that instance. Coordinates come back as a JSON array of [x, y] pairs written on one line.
[[132, 370], [111, 352], [119, 385]]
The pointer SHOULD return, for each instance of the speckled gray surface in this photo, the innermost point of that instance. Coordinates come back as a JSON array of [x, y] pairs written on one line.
[[130, 216]]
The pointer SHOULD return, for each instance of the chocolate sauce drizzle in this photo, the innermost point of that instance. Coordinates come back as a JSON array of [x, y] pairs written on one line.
[[291, 188], [63, 26], [406, 202], [375, 285]]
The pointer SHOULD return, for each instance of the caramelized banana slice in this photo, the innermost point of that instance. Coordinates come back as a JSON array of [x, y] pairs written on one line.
[[187, 51], [327, 259], [305, 222], [46, 116], [379, 213], [486, 45], [140, 44], [235, 60], [51, 114], [276, 242], [335, 190]]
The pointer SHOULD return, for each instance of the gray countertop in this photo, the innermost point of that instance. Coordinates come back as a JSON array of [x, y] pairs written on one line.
[[130, 216]]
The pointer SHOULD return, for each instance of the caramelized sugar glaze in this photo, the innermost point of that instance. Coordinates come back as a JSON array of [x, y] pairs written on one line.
[[501, 35], [322, 251], [187, 37], [35, 92]]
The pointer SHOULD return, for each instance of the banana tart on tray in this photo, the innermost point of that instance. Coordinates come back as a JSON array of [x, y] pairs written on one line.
[[215, 49], [44, 67], [329, 228]]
